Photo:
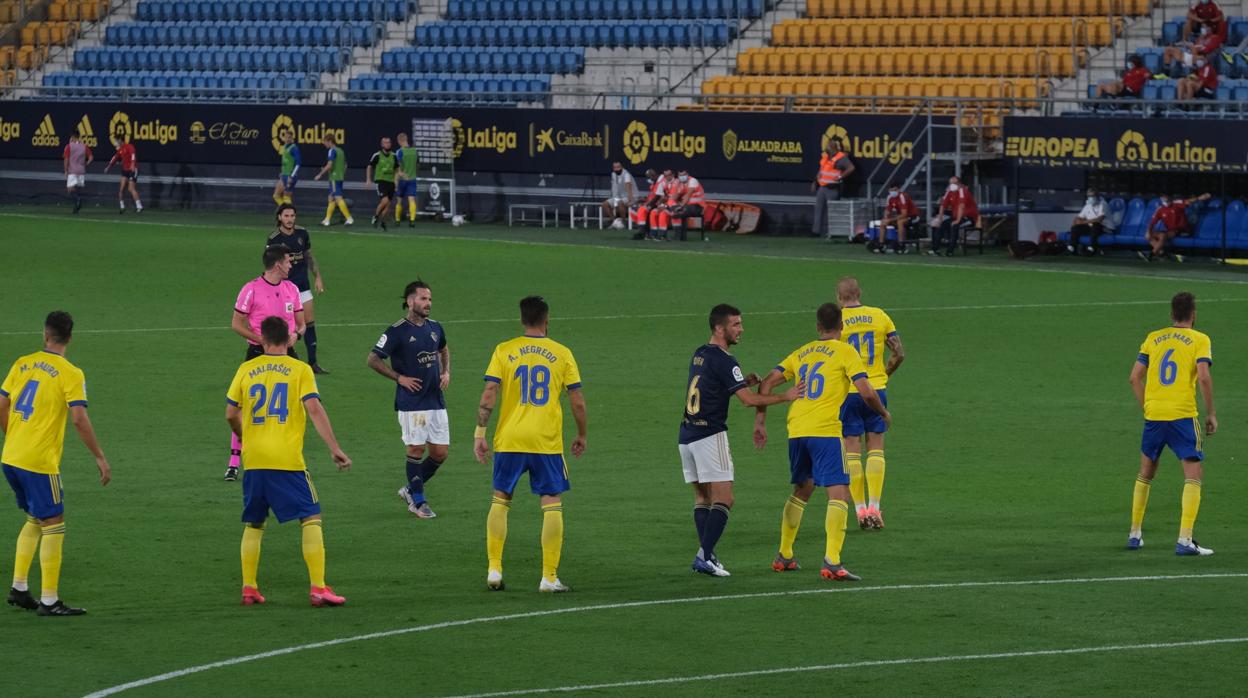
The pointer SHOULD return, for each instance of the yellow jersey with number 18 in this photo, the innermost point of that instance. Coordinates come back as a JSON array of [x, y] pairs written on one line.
[[271, 390], [1170, 356], [41, 388], [829, 368], [867, 330], [531, 372]]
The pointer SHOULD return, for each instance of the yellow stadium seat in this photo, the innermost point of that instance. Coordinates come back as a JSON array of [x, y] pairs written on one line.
[[809, 35], [56, 12], [985, 62], [780, 34], [821, 64], [853, 64], [806, 63], [788, 63], [936, 36], [867, 34], [902, 63], [1018, 65], [888, 35], [961, 8], [771, 64]]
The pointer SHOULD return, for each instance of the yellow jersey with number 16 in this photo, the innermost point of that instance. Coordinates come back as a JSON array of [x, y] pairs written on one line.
[[829, 368], [1170, 356], [41, 388], [531, 372]]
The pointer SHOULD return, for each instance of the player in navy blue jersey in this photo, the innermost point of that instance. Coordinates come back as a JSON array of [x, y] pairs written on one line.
[[714, 378], [302, 268], [421, 366]]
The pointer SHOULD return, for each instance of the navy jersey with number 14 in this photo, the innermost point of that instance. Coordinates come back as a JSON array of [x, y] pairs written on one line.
[[714, 377]]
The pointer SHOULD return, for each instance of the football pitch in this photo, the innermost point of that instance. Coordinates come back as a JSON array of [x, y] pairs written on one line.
[[1002, 569]]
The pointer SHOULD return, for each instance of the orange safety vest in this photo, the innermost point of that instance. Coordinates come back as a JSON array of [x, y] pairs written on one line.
[[828, 174], [697, 195]]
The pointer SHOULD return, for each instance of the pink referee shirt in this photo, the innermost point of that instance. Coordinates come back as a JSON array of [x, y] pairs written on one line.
[[260, 299]]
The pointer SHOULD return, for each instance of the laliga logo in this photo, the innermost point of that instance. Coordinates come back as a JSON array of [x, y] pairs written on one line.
[[458, 127], [304, 135], [837, 133], [492, 138], [879, 148], [730, 144], [281, 123], [1132, 146], [123, 130], [636, 142]]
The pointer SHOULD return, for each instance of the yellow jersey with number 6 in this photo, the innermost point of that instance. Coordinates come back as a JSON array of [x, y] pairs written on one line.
[[41, 388], [829, 368], [867, 330], [531, 372], [1170, 357]]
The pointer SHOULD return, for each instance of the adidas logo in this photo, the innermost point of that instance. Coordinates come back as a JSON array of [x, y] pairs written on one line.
[[45, 134], [86, 134]]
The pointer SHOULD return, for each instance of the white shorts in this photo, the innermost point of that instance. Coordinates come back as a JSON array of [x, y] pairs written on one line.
[[305, 296], [425, 427], [1188, 59], [707, 460], [72, 181]]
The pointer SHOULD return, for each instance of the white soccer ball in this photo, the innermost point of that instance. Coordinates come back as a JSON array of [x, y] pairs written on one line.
[[457, 220], [618, 224]]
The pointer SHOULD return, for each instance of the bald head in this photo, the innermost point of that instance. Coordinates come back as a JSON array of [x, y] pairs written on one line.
[[847, 290]]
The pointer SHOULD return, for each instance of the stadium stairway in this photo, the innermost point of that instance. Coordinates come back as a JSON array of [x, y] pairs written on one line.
[[92, 35], [365, 60]]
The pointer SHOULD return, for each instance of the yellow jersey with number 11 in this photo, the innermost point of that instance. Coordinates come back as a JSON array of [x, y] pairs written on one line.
[[867, 330]]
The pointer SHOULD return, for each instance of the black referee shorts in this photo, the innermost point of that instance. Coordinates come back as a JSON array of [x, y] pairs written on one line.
[[385, 190], [254, 350]]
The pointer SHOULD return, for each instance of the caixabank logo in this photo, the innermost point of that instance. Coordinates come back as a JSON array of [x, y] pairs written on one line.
[[45, 134], [10, 130], [882, 147], [123, 129], [492, 138], [305, 134], [1135, 147], [639, 143]]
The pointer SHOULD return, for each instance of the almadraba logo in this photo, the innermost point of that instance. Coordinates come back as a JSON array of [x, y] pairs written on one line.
[[878, 148], [639, 142], [304, 134], [775, 150], [125, 130]]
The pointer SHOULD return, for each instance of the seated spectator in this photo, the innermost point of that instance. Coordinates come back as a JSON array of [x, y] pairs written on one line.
[[1201, 84], [1090, 222], [660, 216], [641, 217], [899, 212], [957, 211], [1168, 222], [689, 202], [1132, 83], [1186, 52], [1204, 13], [623, 193]]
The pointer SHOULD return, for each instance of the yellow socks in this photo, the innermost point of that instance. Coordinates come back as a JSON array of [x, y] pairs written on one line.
[[329, 210], [250, 552], [789, 523], [875, 478], [496, 532], [552, 540], [398, 211], [1187, 520], [314, 552], [27, 543], [1139, 502], [857, 489], [279, 199], [53, 539], [838, 516], [342, 206], [411, 211], [288, 199]]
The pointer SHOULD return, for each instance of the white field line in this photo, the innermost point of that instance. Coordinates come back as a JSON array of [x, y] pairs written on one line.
[[659, 249], [159, 678], [943, 659], [655, 316]]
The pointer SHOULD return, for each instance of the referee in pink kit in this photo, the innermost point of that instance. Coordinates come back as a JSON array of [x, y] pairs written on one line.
[[267, 295]]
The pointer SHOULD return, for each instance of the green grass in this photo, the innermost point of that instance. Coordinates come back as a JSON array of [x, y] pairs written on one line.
[[1012, 459]]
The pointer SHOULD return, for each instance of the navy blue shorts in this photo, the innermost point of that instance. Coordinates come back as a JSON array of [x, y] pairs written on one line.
[[289, 493], [1181, 435], [132, 175], [818, 458], [858, 419], [38, 494], [335, 189], [548, 475], [407, 187], [289, 182]]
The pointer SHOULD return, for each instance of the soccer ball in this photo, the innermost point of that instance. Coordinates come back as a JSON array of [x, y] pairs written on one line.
[[457, 220], [617, 224]]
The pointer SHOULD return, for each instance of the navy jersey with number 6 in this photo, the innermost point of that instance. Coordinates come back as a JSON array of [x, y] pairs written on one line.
[[714, 377], [413, 351]]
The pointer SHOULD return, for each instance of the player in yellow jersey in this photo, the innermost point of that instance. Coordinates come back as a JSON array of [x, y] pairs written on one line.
[[828, 367], [39, 391], [1170, 364], [527, 374], [268, 404], [872, 333]]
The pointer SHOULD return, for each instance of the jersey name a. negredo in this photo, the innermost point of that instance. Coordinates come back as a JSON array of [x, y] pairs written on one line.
[[413, 351], [714, 377], [299, 243]]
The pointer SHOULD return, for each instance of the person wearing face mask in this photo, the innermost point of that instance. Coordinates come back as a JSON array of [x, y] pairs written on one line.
[[1169, 221], [641, 215], [899, 211], [1132, 83], [1204, 13], [834, 167], [690, 202], [661, 216], [623, 190], [1090, 222], [1202, 83], [957, 209], [1188, 52]]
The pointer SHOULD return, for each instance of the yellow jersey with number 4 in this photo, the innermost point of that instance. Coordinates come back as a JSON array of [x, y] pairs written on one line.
[[867, 330], [829, 367], [41, 388], [270, 390], [531, 372], [1170, 357]]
